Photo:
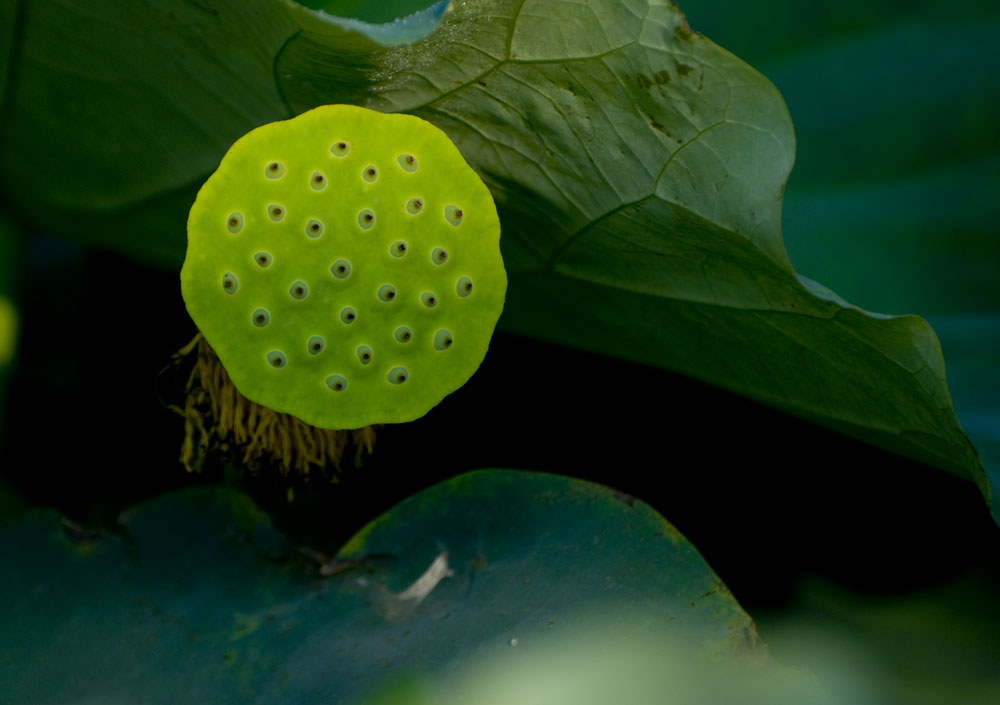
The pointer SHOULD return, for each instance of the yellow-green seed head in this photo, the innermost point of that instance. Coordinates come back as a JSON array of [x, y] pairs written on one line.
[[345, 266]]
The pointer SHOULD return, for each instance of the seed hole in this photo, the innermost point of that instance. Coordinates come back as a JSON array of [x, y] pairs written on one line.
[[341, 269], [364, 354], [370, 174], [453, 214], [428, 299], [230, 283], [397, 249], [263, 259], [387, 292], [274, 170], [298, 290], [340, 148], [398, 375], [235, 222], [463, 286], [336, 383], [276, 212], [439, 255], [443, 340], [260, 317], [317, 181], [408, 162], [348, 315], [276, 358], [315, 345], [366, 219], [414, 206], [314, 228], [403, 334]]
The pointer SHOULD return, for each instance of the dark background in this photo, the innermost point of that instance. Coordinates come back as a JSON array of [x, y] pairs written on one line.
[[769, 500]]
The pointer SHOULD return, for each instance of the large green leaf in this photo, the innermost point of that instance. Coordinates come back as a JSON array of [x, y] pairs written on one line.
[[200, 599], [106, 142], [891, 200], [638, 169]]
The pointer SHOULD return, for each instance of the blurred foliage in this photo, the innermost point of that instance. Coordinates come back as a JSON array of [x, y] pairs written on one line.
[[10, 261], [11, 504], [936, 646], [617, 660]]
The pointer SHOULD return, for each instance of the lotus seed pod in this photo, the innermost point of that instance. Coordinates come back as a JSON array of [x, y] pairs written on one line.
[[345, 267]]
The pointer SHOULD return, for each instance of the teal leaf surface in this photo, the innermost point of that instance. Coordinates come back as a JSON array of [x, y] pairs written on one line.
[[638, 169], [396, 29], [200, 599]]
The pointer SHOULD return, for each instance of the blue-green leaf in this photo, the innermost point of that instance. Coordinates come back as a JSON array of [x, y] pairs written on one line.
[[199, 598]]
